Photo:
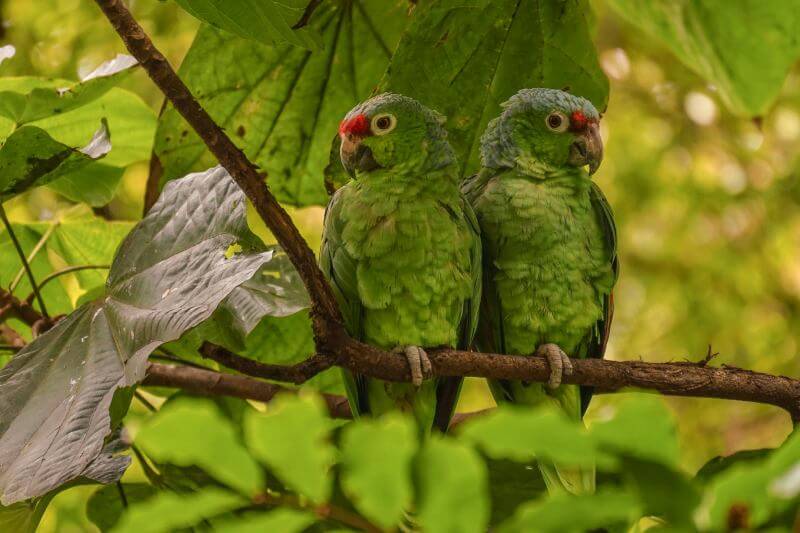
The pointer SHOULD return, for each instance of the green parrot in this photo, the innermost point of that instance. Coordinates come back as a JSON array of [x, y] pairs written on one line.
[[402, 252], [549, 245]]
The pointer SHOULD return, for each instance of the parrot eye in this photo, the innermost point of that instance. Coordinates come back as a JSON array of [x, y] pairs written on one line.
[[557, 122], [383, 124]]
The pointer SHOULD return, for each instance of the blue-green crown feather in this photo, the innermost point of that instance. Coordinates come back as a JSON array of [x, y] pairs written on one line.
[[499, 149]]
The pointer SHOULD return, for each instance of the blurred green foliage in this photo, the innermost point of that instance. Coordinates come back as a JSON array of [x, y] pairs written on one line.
[[706, 203]]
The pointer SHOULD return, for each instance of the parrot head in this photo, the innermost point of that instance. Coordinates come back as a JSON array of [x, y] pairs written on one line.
[[542, 131], [393, 132]]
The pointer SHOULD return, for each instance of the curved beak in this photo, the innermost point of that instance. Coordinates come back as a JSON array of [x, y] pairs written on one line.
[[356, 156], [587, 148]]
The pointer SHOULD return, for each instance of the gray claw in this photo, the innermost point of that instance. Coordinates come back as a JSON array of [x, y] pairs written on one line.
[[559, 363], [418, 362]]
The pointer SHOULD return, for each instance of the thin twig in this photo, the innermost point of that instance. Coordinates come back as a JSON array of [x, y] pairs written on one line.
[[21, 254], [297, 373], [324, 511], [144, 401], [68, 270], [39, 245], [306, 17]]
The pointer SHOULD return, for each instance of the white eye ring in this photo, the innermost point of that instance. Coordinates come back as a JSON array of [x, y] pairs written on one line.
[[383, 123], [557, 122]]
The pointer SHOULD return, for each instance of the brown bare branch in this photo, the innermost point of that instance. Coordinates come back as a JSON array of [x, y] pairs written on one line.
[[209, 383], [297, 374]]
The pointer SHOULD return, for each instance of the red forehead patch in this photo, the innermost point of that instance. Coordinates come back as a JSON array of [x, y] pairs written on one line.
[[357, 126], [577, 121]]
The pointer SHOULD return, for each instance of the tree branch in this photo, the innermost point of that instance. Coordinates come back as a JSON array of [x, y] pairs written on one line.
[[297, 374], [672, 379], [210, 383], [325, 311]]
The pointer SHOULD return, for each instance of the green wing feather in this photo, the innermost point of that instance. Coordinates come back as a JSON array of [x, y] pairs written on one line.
[[449, 389], [339, 268], [598, 338]]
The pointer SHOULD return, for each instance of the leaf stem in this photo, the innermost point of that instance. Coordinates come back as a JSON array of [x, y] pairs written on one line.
[[53, 275], [150, 407], [122, 496], [32, 255], [22, 258]]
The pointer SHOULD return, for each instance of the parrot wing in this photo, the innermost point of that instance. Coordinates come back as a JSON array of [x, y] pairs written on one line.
[[339, 268], [448, 389], [598, 338]]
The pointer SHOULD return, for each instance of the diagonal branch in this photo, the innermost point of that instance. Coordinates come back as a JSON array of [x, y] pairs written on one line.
[[325, 311]]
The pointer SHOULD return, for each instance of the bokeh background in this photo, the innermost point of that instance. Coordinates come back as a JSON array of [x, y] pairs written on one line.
[[706, 203]]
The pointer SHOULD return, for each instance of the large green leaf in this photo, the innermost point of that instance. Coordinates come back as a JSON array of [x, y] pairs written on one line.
[[463, 58], [279, 520], [131, 121], [376, 467], [647, 417], [73, 237], [194, 432], [166, 511], [762, 488], [522, 434], [265, 21], [744, 48], [169, 275], [283, 104], [24, 517], [24, 100], [453, 493], [30, 157], [106, 505], [292, 439], [565, 512]]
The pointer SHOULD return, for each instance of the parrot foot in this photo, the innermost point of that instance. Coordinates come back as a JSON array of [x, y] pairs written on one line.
[[558, 362], [418, 362]]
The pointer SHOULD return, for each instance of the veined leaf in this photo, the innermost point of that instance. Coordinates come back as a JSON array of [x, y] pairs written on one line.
[[177, 511], [566, 512], [74, 237], [745, 49], [30, 157], [105, 506], [279, 520], [464, 58], [191, 432], [24, 100], [169, 275], [376, 467], [292, 439], [282, 104], [265, 21], [464, 506]]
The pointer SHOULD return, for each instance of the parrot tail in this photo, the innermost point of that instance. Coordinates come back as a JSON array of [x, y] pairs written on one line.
[[574, 480]]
